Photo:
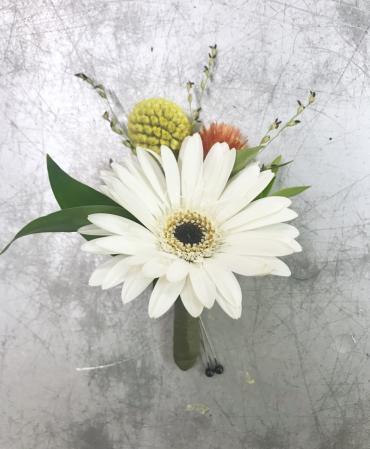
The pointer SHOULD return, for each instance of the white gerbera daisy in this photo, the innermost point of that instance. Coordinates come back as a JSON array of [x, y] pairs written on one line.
[[198, 228]]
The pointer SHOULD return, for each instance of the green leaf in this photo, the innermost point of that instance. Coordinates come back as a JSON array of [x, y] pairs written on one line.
[[71, 193], [267, 189], [290, 191], [186, 337], [274, 166], [243, 157], [66, 220]]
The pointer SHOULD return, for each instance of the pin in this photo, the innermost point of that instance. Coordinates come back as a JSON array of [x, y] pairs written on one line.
[[212, 365], [219, 369], [209, 371]]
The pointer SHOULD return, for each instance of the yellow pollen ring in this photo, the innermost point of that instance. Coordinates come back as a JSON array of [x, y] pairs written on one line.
[[189, 251]]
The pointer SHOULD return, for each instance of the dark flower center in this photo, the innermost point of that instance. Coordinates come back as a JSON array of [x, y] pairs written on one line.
[[189, 233]]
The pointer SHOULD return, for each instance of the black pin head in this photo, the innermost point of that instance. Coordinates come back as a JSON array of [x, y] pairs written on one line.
[[209, 371], [219, 369]]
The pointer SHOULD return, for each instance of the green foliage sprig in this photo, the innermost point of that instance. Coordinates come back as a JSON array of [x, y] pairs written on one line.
[[198, 91], [275, 129], [117, 126], [243, 157]]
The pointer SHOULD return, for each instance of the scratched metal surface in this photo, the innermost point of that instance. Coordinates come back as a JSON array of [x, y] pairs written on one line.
[[297, 365]]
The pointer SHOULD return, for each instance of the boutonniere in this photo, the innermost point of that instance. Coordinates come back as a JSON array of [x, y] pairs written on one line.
[[185, 210]]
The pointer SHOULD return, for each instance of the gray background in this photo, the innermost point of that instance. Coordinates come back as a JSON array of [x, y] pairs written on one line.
[[297, 364]]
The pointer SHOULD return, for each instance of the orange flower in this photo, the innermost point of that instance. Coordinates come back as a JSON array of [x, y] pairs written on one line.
[[221, 132]]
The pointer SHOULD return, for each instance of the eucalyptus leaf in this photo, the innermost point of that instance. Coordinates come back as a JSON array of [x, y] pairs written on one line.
[[243, 157], [290, 191], [71, 193], [66, 220]]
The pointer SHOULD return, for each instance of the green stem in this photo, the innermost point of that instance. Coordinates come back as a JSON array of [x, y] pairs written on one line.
[[267, 139], [186, 337]]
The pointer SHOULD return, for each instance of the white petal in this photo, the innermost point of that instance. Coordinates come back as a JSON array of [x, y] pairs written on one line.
[[254, 265], [139, 259], [134, 285], [241, 182], [245, 265], [121, 226], [190, 301], [138, 185], [275, 230], [243, 244], [203, 285], [217, 168], [111, 194], [256, 210], [225, 281], [104, 189], [278, 267], [163, 296], [152, 172], [296, 247], [108, 174], [191, 166], [250, 265], [131, 202], [172, 174], [155, 155], [93, 230], [157, 266], [177, 270], [230, 206], [234, 311], [117, 244], [132, 163], [116, 275], [92, 247], [101, 272], [279, 217]]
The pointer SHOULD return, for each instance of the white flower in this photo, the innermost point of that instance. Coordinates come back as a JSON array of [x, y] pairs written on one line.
[[198, 228]]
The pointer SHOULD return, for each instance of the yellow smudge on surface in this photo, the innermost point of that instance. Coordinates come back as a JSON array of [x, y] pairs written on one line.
[[200, 408], [249, 379]]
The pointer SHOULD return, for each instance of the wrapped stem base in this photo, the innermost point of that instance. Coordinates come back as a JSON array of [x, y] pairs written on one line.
[[186, 337]]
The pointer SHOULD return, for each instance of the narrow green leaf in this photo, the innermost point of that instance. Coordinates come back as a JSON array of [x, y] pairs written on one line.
[[274, 166], [186, 337], [71, 193], [66, 220], [290, 191], [243, 157], [267, 189]]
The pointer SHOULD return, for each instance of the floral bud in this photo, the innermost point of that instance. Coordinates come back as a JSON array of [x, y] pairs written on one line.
[[221, 132], [155, 121]]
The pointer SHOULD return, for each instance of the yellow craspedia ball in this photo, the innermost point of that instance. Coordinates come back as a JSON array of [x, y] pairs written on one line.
[[155, 122]]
